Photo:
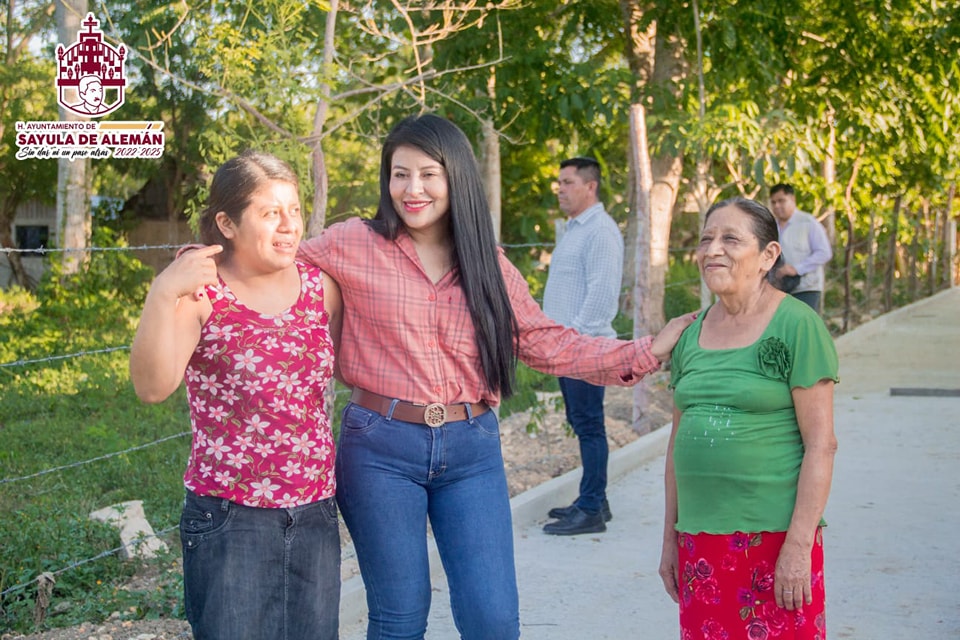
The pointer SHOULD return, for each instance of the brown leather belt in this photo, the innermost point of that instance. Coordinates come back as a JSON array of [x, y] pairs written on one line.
[[432, 415]]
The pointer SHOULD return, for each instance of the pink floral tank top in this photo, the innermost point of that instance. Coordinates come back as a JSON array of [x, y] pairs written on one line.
[[255, 384]]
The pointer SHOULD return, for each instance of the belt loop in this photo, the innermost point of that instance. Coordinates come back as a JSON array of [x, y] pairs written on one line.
[[224, 505], [469, 408], [393, 405]]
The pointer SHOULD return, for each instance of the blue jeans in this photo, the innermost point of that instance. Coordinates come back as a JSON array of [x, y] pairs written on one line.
[[391, 477], [584, 406], [257, 573]]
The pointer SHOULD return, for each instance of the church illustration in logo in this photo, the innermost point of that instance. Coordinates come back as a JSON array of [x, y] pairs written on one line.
[[90, 73]]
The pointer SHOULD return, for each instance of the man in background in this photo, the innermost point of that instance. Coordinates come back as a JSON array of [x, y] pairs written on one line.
[[806, 247], [583, 292]]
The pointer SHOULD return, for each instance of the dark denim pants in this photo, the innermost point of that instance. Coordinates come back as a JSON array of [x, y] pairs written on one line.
[[393, 476], [584, 406], [260, 574]]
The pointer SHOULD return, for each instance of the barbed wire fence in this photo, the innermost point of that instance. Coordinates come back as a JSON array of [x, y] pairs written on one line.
[[835, 279]]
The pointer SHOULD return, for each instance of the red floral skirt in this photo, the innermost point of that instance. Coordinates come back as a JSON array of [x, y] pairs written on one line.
[[726, 589]]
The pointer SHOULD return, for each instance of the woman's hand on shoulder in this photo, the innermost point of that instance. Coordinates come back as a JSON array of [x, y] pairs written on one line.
[[666, 340]]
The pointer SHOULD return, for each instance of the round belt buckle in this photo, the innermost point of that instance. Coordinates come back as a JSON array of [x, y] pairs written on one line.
[[435, 415]]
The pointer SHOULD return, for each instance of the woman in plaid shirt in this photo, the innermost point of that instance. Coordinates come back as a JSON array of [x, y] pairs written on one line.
[[435, 317]]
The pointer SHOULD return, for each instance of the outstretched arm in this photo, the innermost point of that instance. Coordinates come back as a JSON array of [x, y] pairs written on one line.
[[170, 324]]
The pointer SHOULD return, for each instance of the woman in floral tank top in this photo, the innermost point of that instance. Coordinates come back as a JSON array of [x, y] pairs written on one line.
[[251, 331]]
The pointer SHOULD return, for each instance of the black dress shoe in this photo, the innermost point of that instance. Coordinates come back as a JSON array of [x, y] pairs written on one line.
[[562, 512], [576, 523]]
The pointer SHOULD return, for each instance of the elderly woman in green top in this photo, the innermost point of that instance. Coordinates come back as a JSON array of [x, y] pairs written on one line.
[[750, 458]]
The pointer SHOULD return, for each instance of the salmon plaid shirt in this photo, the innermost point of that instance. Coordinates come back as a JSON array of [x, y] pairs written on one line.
[[405, 337]]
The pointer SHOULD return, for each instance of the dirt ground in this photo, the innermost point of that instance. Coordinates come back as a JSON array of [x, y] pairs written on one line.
[[531, 458]]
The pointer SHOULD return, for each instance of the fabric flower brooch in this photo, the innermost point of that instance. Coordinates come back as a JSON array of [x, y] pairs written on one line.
[[774, 358]]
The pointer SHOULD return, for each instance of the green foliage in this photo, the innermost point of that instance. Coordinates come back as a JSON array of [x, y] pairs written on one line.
[[95, 308], [682, 290]]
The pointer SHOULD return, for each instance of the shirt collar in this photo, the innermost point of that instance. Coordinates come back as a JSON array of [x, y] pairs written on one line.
[[587, 214]]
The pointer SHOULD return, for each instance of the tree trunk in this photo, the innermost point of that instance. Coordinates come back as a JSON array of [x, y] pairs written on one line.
[[871, 258], [490, 160], [934, 253], [912, 263], [830, 174], [851, 239], [318, 217], [640, 205], [949, 239], [658, 66], [704, 193], [73, 180], [892, 254]]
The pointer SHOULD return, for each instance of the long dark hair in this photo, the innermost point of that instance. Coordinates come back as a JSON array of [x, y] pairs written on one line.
[[475, 244], [761, 220], [232, 188]]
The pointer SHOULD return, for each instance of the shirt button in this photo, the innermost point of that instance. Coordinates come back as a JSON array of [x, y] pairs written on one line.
[[431, 297], [431, 344], [437, 389]]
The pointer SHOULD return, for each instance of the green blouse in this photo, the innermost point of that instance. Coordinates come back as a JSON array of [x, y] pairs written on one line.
[[738, 448]]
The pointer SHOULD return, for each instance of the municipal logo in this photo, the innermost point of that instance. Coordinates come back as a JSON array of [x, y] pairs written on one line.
[[90, 73], [90, 82]]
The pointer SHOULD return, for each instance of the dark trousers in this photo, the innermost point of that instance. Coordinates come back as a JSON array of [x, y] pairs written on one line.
[[811, 298], [584, 407]]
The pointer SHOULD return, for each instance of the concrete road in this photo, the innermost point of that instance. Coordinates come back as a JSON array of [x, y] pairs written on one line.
[[892, 562]]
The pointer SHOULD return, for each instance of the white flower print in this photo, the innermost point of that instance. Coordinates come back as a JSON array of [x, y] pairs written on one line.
[[297, 411], [199, 406], [264, 489], [218, 413], [287, 501], [288, 382], [278, 404], [294, 348], [224, 333], [252, 387], [236, 459], [223, 478], [211, 352], [264, 449], [205, 470], [270, 374], [302, 444], [325, 360], [270, 343], [256, 423], [311, 473], [209, 384], [216, 448], [230, 396], [247, 360], [243, 442], [315, 377], [280, 438], [233, 379], [291, 468], [192, 374]]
